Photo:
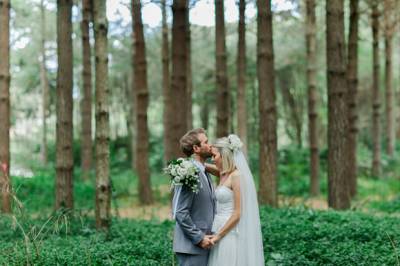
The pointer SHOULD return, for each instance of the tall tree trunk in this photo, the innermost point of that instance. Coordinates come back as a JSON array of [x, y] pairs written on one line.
[[285, 78], [130, 118], [86, 104], [5, 182], [167, 93], [178, 125], [64, 127], [352, 82], [189, 101], [390, 118], [338, 196], [103, 183], [376, 102], [133, 115], [268, 193], [311, 35], [223, 98], [44, 83], [142, 102], [204, 113], [241, 77]]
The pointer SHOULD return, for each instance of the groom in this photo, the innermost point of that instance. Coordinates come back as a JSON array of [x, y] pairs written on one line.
[[195, 211]]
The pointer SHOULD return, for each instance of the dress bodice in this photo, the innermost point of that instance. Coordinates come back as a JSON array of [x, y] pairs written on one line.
[[225, 202], [224, 207]]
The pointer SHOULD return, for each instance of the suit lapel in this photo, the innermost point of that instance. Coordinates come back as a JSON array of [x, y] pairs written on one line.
[[205, 182]]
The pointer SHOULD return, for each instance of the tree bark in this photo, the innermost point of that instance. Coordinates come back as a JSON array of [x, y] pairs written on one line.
[[376, 102], [167, 93], [178, 125], [5, 182], [142, 102], [311, 45], [189, 102], [338, 196], [241, 77], [64, 126], [390, 118], [44, 84], [86, 103], [352, 83], [102, 150], [268, 193], [223, 97]]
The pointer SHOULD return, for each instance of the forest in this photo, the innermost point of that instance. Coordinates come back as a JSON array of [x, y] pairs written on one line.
[[96, 94]]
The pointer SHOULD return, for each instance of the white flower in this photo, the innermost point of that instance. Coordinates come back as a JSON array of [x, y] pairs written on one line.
[[191, 171], [173, 171], [234, 142], [186, 164], [182, 171]]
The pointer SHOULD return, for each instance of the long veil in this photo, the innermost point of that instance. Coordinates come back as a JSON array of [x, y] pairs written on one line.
[[250, 249]]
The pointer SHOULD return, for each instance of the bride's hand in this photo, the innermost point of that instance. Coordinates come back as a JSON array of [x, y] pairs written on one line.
[[215, 239]]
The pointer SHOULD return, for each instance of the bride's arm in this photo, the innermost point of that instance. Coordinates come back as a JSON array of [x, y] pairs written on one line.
[[235, 217], [212, 169]]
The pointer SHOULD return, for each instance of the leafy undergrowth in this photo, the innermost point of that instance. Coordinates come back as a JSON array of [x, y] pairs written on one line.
[[294, 236]]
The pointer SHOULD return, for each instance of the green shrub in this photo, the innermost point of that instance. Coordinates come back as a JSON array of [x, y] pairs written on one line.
[[291, 237]]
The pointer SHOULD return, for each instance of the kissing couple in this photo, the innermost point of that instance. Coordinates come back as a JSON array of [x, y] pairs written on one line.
[[217, 225]]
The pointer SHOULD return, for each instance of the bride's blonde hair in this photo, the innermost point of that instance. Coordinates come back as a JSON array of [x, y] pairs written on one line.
[[223, 145]]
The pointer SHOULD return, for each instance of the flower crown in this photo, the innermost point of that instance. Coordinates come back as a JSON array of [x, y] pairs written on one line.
[[235, 144]]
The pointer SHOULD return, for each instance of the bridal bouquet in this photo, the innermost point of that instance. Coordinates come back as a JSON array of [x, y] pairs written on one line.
[[183, 172]]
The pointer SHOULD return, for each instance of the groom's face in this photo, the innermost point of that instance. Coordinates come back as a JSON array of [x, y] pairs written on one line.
[[204, 150]]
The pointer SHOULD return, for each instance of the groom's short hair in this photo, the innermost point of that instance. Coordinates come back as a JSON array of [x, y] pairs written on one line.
[[189, 140]]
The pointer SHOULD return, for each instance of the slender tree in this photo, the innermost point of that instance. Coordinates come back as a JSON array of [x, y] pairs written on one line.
[[223, 98], [267, 105], [338, 196], [103, 185], [142, 102], [204, 112], [312, 95], [376, 102], [285, 77], [165, 55], [390, 26], [44, 83], [352, 82], [5, 183], [86, 103], [64, 106], [178, 125], [189, 104], [241, 76]]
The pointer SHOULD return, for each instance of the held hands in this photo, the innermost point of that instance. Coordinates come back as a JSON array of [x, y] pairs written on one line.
[[214, 239], [206, 242], [209, 241]]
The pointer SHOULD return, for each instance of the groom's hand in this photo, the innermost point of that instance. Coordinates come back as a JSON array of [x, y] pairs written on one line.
[[206, 242]]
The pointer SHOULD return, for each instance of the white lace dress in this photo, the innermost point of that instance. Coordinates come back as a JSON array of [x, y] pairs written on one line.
[[224, 253]]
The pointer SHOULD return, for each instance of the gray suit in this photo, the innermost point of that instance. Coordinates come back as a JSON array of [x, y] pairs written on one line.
[[194, 218]]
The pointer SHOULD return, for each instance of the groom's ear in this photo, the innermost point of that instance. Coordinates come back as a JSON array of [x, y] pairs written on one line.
[[196, 148]]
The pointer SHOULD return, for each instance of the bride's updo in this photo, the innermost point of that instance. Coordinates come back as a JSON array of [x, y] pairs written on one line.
[[226, 146]]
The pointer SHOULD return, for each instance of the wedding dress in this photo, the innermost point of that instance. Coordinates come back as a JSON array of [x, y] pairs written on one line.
[[241, 246], [225, 251]]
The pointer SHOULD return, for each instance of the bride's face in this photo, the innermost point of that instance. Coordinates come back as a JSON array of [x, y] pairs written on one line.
[[216, 157]]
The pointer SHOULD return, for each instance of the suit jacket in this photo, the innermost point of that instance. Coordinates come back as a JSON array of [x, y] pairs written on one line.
[[194, 216]]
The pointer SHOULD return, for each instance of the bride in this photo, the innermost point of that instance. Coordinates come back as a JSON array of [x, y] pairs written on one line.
[[237, 235]]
